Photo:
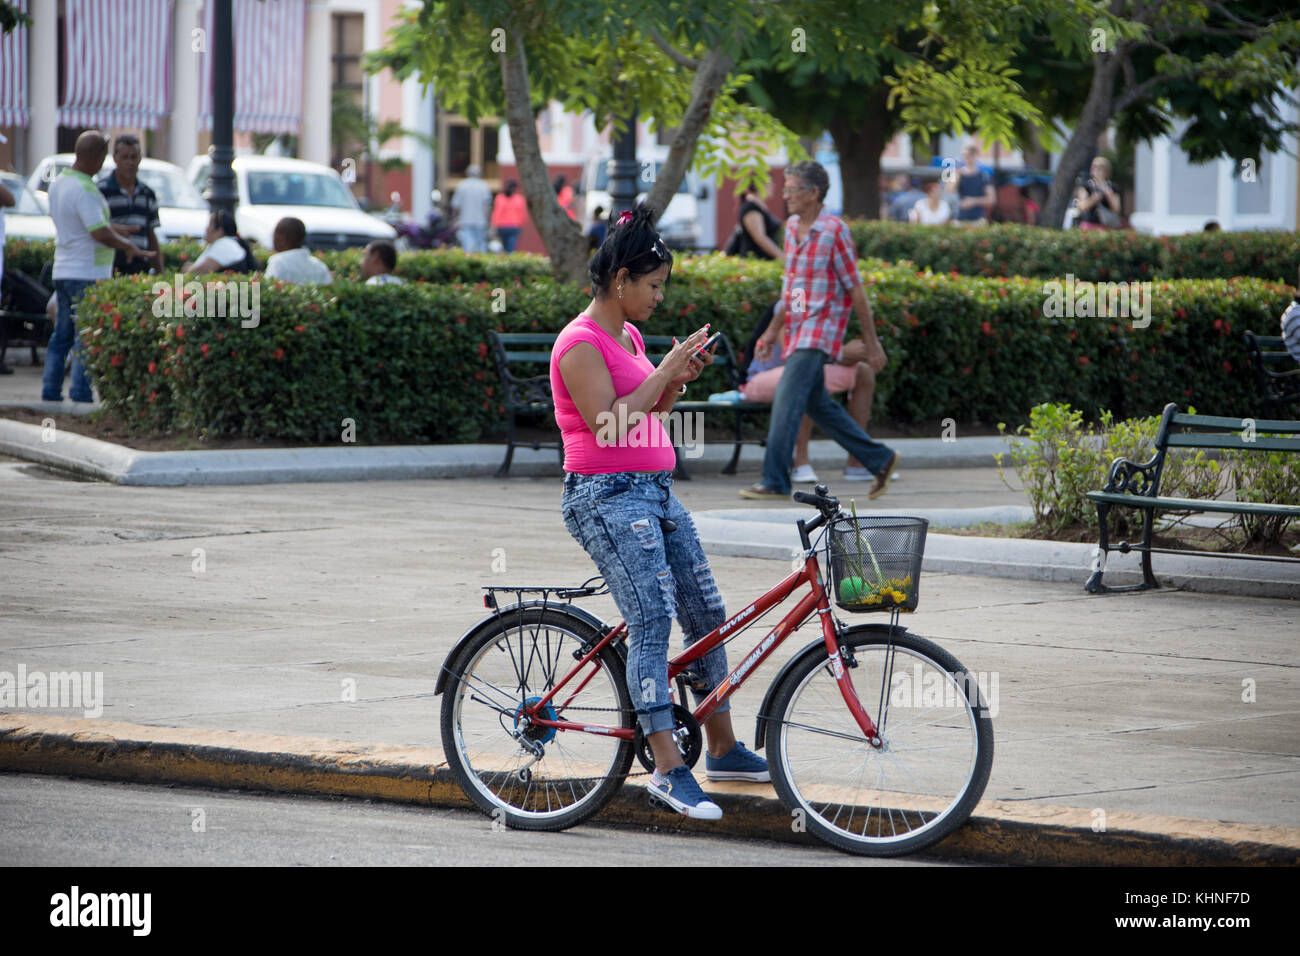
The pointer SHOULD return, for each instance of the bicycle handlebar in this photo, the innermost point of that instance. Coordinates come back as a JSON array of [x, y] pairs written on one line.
[[823, 502]]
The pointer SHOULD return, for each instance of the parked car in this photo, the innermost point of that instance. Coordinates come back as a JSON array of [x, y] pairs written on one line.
[[27, 218], [272, 187], [680, 222], [182, 212]]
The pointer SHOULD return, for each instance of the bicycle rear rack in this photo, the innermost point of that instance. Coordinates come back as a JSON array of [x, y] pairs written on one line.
[[588, 588]]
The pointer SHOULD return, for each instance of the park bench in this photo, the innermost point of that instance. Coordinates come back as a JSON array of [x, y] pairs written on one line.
[[524, 363], [1137, 485], [1276, 372]]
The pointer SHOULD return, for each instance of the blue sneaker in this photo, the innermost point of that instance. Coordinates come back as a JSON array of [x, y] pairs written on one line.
[[739, 764], [679, 791]]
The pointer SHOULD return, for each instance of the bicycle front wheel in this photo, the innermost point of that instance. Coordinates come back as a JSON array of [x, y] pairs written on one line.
[[923, 779], [536, 777]]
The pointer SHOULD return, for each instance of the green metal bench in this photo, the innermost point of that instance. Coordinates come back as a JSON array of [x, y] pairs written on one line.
[[1136, 485], [1276, 372], [529, 395]]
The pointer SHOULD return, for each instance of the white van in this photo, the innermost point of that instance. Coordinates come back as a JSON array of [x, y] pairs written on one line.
[[680, 224]]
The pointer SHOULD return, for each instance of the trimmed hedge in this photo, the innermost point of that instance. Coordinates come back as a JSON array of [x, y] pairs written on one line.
[[1006, 249], [411, 363]]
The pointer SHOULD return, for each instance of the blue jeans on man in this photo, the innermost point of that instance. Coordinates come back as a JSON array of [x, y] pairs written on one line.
[[802, 390], [63, 341], [472, 238]]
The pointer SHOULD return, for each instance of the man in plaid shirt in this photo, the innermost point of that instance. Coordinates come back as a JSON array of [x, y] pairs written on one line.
[[820, 288]]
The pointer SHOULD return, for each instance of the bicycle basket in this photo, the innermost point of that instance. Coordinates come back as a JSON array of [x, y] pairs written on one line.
[[875, 562]]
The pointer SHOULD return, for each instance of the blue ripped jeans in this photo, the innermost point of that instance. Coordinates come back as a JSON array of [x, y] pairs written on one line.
[[653, 577]]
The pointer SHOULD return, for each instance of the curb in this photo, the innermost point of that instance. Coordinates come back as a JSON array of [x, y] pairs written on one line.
[[104, 461], [770, 533], [997, 833]]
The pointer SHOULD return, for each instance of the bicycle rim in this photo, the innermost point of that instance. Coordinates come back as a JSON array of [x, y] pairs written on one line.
[[577, 772], [916, 788]]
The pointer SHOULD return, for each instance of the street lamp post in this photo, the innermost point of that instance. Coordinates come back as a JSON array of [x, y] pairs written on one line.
[[623, 170], [221, 192]]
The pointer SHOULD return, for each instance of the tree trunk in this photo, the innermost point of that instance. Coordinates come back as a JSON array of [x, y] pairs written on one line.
[[1096, 114], [859, 144], [709, 78], [562, 235]]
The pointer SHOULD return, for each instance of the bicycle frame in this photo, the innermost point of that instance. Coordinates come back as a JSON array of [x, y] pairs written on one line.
[[814, 601]]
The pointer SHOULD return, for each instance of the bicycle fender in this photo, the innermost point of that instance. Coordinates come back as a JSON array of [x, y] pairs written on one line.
[[812, 650], [583, 616]]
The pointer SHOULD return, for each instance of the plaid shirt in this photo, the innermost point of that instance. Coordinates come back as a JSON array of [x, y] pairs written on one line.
[[820, 274]]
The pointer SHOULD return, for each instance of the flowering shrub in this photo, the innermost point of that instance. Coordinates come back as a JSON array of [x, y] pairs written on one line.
[[410, 362]]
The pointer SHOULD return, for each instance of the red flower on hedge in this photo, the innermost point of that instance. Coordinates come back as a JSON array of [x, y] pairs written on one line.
[[153, 367], [986, 327], [117, 321], [279, 354], [1074, 334], [116, 360], [966, 370], [179, 348], [180, 331], [1227, 366], [1182, 313], [152, 396], [482, 350], [204, 349], [106, 307], [745, 307], [1084, 360], [300, 328]]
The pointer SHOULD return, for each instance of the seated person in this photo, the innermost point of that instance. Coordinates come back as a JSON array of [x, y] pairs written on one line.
[[1291, 327], [850, 373], [226, 250], [933, 210], [378, 263], [291, 261]]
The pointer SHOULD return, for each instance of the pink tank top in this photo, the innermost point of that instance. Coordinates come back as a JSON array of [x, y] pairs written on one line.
[[645, 445]]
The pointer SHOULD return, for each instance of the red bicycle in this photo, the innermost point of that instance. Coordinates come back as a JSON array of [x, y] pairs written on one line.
[[878, 739]]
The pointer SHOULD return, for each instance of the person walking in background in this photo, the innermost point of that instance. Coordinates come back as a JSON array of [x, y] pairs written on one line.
[[378, 263], [756, 229], [291, 261], [564, 195], [133, 206], [973, 188], [83, 254], [471, 202], [821, 286], [598, 229], [6, 199], [509, 213]]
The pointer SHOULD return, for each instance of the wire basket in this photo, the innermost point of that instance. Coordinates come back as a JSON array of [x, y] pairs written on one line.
[[875, 562]]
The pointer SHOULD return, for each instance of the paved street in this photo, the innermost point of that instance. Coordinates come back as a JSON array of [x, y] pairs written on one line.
[[326, 609]]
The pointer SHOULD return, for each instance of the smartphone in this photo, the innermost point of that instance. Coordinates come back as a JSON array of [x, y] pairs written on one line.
[[712, 341]]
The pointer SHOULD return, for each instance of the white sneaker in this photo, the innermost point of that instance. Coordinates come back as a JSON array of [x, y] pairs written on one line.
[[857, 473], [804, 475]]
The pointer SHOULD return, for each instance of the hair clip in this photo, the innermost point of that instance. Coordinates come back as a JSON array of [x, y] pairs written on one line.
[[625, 216]]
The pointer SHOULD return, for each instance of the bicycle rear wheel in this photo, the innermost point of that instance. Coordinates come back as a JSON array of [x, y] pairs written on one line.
[[930, 770], [536, 778]]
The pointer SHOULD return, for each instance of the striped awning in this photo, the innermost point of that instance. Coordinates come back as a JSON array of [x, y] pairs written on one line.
[[13, 73], [117, 63], [269, 36]]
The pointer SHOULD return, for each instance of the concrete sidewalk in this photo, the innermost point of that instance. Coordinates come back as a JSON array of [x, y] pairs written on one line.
[[323, 611]]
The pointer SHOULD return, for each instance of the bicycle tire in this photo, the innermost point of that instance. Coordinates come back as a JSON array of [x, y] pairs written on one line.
[[917, 788], [514, 659]]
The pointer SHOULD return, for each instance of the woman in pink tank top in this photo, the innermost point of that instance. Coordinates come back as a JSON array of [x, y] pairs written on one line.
[[619, 505]]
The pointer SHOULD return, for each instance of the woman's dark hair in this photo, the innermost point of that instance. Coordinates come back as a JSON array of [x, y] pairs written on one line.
[[511, 186], [633, 245], [559, 183], [225, 221]]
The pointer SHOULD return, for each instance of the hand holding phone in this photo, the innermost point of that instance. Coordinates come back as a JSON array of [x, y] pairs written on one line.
[[708, 345]]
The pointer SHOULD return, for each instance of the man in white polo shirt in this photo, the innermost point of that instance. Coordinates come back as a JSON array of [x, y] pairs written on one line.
[[83, 254]]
